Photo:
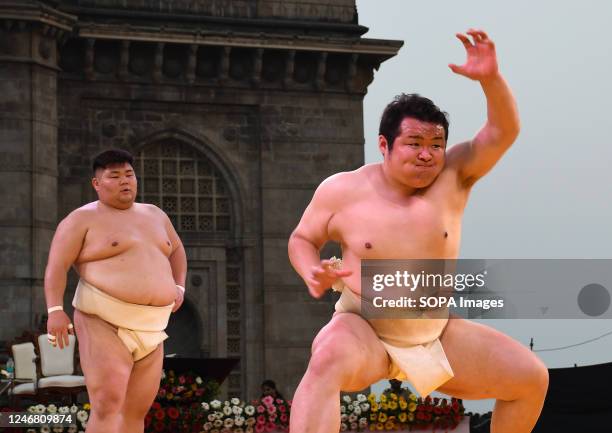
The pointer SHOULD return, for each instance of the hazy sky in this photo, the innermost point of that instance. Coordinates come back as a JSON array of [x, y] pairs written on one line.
[[551, 195]]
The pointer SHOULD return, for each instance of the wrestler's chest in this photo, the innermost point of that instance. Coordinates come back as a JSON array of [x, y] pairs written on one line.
[[422, 229], [128, 234]]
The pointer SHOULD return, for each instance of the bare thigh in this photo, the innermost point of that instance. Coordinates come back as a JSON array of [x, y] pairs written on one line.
[[106, 362], [144, 382], [486, 362], [348, 348]]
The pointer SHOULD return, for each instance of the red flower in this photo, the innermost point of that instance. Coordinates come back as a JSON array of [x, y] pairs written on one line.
[[148, 420], [446, 409], [259, 428], [156, 406], [261, 419], [182, 380], [173, 413], [284, 418], [270, 426], [159, 426], [282, 408], [159, 414], [420, 407], [437, 410], [279, 401], [455, 406]]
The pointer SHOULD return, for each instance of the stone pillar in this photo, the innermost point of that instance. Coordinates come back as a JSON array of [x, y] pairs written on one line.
[[28, 160]]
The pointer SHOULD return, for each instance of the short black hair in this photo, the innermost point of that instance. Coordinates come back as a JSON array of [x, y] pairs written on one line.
[[269, 383], [410, 105], [110, 157]]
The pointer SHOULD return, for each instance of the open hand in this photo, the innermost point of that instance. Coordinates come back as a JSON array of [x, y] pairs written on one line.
[[323, 276], [481, 62], [58, 328]]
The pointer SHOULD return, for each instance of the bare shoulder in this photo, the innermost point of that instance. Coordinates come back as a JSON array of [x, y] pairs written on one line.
[[150, 210], [82, 215], [343, 186]]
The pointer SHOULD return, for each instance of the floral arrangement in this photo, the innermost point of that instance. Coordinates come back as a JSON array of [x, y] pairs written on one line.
[[80, 415], [185, 389], [393, 412], [235, 416]]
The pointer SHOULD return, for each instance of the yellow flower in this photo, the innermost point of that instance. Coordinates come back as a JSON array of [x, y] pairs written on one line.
[[403, 417], [372, 397], [194, 386], [373, 417], [412, 397], [412, 406], [384, 406], [374, 407], [393, 405], [169, 396], [380, 426], [382, 417], [87, 406], [393, 396], [410, 417], [403, 405], [383, 398], [389, 425]]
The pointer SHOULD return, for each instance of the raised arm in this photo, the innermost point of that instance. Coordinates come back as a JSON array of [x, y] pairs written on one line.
[[473, 159], [310, 236], [65, 248]]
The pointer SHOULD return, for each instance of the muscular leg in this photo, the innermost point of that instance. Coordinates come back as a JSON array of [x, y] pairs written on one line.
[[489, 364], [347, 356], [141, 390], [107, 365]]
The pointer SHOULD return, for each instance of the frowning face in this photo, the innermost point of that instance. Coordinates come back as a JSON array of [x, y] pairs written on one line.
[[418, 153]]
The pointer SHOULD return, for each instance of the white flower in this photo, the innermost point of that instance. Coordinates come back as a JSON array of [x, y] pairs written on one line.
[[248, 430], [198, 380], [238, 430], [205, 406], [218, 415], [211, 417], [361, 398], [235, 401], [353, 418], [52, 408], [343, 427], [82, 416], [74, 408], [365, 407], [342, 408], [215, 404], [347, 398], [239, 420], [72, 428], [357, 410], [250, 421], [350, 407], [64, 410], [32, 409], [84, 424], [40, 408], [236, 410], [214, 430], [58, 429], [163, 375], [226, 403], [208, 426], [30, 430], [363, 421], [354, 426], [218, 423], [249, 410], [228, 423], [343, 417], [227, 410], [45, 429]]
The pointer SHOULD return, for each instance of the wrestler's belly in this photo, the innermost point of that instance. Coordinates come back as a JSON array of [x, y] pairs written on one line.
[[138, 277]]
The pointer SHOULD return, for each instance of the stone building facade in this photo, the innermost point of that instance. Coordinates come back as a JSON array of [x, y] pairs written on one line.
[[235, 109]]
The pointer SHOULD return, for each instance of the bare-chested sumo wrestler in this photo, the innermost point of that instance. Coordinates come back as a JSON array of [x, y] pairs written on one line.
[[132, 268], [410, 206]]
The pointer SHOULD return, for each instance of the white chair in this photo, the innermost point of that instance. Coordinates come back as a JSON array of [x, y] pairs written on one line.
[[24, 384], [56, 368]]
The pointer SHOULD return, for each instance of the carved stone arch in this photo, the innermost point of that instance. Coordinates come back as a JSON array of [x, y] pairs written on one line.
[[199, 149], [199, 190]]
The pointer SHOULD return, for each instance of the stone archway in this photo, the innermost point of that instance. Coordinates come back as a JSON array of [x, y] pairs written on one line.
[[199, 198]]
